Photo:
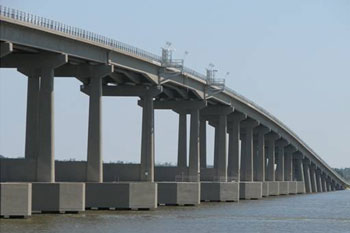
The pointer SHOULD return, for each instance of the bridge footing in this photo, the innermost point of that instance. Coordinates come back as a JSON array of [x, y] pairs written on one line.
[[265, 189], [178, 193], [300, 187], [219, 191], [292, 187], [250, 190], [283, 187], [15, 200], [58, 197], [121, 195], [273, 188]]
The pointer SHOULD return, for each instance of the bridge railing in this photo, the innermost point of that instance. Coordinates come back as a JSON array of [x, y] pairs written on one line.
[[74, 31], [96, 38]]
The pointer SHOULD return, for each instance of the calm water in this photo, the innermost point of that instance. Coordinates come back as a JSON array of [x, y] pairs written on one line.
[[324, 212]]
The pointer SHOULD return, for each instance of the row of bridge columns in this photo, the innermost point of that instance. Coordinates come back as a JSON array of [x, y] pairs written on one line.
[[247, 142]]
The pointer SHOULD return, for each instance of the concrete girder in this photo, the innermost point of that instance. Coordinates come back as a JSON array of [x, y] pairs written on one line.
[[131, 76], [178, 106], [5, 48], [123, 90]]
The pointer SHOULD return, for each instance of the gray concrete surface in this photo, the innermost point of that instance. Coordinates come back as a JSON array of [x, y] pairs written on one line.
[[15, 200], [219, 191], [292, 187], [283, 187], [179, 193], [121, 195], [265, 189], [274, 187], [58, 197], [250, 190], [300, 187]]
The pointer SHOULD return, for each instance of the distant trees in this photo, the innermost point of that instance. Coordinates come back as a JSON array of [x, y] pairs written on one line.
[[343, 172]]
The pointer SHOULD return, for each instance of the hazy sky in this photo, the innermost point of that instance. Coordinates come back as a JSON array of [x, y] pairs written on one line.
[[290, 57]]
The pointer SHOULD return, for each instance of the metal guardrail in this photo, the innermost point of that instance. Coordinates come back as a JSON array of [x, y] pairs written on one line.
[[74, 31], [96, 38]]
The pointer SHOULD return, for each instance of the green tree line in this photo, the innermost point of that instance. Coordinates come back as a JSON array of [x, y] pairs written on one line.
[[344, 172]]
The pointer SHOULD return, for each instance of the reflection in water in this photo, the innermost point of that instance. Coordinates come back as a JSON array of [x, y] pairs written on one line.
[[323, 212]]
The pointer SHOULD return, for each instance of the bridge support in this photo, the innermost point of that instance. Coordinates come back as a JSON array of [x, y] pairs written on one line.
[[218, 189], [283, 185], [288, 169], [94, 168], [203, 143], [260, 159], [186, 192], [319, 180], [182, 141], [32, 121], [273, 185], [313, 178], [248, 188], [234, 131], [147, 141], [299, 173], [306, 164]]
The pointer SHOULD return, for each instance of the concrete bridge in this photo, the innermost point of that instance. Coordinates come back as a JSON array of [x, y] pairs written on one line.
[[265, 158]]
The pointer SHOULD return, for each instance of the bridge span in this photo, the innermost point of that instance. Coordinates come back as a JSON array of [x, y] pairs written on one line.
[[265, 158]]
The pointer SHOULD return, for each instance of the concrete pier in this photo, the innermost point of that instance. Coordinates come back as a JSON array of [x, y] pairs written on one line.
[[220, 191], [292, 187], [15, 200], [307, 177], [58, 197], [248, 188], [179, 193], [121, 195], [300, 187], [270, 168]]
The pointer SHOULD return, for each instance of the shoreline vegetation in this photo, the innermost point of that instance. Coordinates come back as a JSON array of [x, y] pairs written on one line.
[[343, 172]]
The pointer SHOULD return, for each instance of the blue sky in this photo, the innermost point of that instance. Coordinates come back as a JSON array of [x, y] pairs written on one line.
[[290, 57]]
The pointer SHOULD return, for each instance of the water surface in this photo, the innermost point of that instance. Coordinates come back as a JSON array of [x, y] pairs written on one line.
[[322, 212]]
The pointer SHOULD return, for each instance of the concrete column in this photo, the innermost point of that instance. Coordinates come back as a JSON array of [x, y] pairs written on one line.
[[270, 173], [32, 122], [147, 144], [247, 154], [280, 160], [39, 129], [324, 183], [233, 168], [255, 157], [288, 165], [203, 143], [45, 171], [94, 166], [313, 178], [216, 140], [306, 164], [300, 170], [221, 169], [182, 141], [261, 158], [332, 185], [194, 166], [319, 180]]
